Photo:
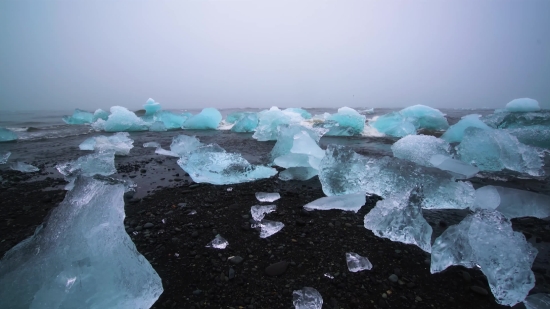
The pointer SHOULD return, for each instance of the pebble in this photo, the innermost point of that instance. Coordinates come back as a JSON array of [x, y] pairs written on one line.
[[148, 225], [195, 234], [417, 298], [236, 259], [139, 228], [393, 278], [466, 276], [276, 269], [479, 290], [197, 292]]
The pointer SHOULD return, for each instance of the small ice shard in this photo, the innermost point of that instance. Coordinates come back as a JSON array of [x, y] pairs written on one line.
[[100, 114], [151, 107], [171, 120], [269, 122], [80, 258], [347, 119], [218, 243], [79, 117], [538, 136], [426, 117], [496, 150], [23, 167], [267, 197], [4, 157], [523, 105], [151, 144], [537, 301], [184, 144], [485, 239], [328, 275], [399, 218], [393, 124], [357, 263], [247, 123], [165, 152], [457, 168], [207, 119], [350, 202], [120, 142], [7, 135], [258, 212], [512, 203], [268, 228], [455, 133], [420, 148], [298, 173], [157, 126], [307, 298], [120, 120]]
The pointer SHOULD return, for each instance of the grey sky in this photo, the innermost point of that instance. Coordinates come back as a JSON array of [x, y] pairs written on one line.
[[189, 54]]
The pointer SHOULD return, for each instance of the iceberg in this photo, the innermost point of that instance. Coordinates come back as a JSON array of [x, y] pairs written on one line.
[[357, 263], [120, 120], [157, 126], [537, 301], [258, 212], [120, 142], [81, 257], [537, 136], [307, 298], [267, 197], [247, 123], [393, 124], [79, 117], [298, 173], [23, 167], [425, 117], [350, 202], [218, 243], [151, 144], [455, 133], [457, 168], [208, 119], [151, 107], [348, 120], [171, 120], [496, 150], [485, 239], [399, 218], [100, 114], [268, 228], [7, 135], [512, 203], [420, 148], [4, 157], [182, 145], [523, 105]]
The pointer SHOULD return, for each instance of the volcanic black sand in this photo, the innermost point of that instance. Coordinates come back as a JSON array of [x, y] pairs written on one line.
[[308, 251]]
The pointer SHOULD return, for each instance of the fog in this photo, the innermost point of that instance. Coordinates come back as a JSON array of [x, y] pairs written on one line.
[[192, 54]]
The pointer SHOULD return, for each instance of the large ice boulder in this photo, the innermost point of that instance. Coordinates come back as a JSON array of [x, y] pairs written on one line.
[[102, 163], [348, 120], [394, 124], [120, 142], [100, 114], [523, 105], [246, 123], [81, 257], [208, 119], [171, 120], [512, 203], [151, 107], [420, 148], [7, 135], [121, 120], [486, 240], [79, 117], [425, 117], [455, 133]]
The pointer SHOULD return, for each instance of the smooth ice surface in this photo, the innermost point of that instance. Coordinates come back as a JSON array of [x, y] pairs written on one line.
[[218, 243], [420, 148], [347, 118], [350, 202], [512, 203], [184, 144], [79, 117], [267, 197], [455, 133], [258, 212], [120, 120], [523, 105], [100, 114], [23, 167], [7, 135], [426, 117], [4, 157], [268, 228], [496, 150], [307, 298], [247, 123], [102, 163], [151, 107], [270, 120], [399, 218], [537, 301], [208, 119], [151, 144], [120, 142], [457, 168], [81, 257], [538, 136], [171, 120], [286, 137], [394, 124], [485, 239], [157, 126], [234, 117], [357, 263], [298, 173]]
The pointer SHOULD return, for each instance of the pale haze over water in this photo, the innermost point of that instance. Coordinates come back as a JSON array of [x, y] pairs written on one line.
[[61, 55]]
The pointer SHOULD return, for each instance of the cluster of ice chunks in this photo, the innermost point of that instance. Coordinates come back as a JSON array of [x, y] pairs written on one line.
[[420, 148], [512, 203], [399, 218], [485, 239], [496, 150], [348, 202], [270, 120], [218, 243], [307, 298], [81, 255], [121, 120], [342, 171], [408, 120], [23, 167], [7, 135], [357, 263], [208, 119], [120, 142], [349, 122], [455, 133], [102, 163], [4, 157], [79, 117], [523, 105], [247, 123]]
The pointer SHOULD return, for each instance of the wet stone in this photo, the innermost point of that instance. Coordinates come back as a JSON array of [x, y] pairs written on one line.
[[276, 269]]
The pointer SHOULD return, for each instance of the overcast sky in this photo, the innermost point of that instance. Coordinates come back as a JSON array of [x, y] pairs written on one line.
[[190, 54]]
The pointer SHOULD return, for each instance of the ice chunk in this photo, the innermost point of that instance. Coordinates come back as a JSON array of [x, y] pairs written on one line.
[[23, 167], [79, 117], [184, 144], [270, 120], [120, 142], [171, 120], [523, 105], [420, 148], [486, 240], [165, 152], [151, 107], [157, 126], [399, 218], [151, 144], [496, 150], [347, 118], [307, 298], [268, 228], [100, 114], [457, 168], [393, 124], [286, 138], [507, 120], [102, 163], [7, 135], [537, 301], [4, 157], [267, 197], [121, 119], [302, 112], [512, 203], [426, 117], [350, 202], [538, 136], [258, 212], [357, 263], [207, 119], [304, 153], [247, 123], [218, 243], [455, 133], [234, 117], [81, 257], [298, 173]]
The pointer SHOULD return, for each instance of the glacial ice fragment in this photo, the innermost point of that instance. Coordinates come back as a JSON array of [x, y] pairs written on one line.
[[298, 173], [81, 257], [23, 167], [508, 120], [302, 112], [151, 144], [426, 117], [537, 301], [538, 136], [455, 133], [399, 218], [350, 202], [247, 123], [347, 118], [120, 120], [357, 263], [79, 117], [184, 144], [7, 135], [307, 298], [218, 243], [165, 152], [258, 212], [394, 124], [102, 163], [100, 114], [151, 107], [268, 228], [485, 239], [234, 117], [286, 137], [208, 119], [523, 105], [157, 126], [4, 157], [267, 197], [171, 120], [420, 148], [512, 203], [270, 120], [120, 142], [457, 168]]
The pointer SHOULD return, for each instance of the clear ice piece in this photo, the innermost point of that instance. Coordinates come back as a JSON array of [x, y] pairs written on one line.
[[455, 133], [267, 197], [247, 123], [307, 298], [285, 139], [258, 212], [218, 243], [349, 121], [151, 144], [7, 135], [268, 228], [208, 119], [298, 173], [425, 117], [269, 122], [184, 144], [350, 202], [120, 142], [512, 203], [151, 107], [121, 120], [537, 301], [79, 117], [457, 168], [357, 263], [158, 126], [4, 157], [23, 167], [523, 105], [102, 163], [420, 148]]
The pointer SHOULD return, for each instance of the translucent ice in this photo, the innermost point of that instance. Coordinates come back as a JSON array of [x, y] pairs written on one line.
[[218, 243], [350, 202], [298, 173], [79, 117], [120, 142], [523, 105], [399, 218], [268, 228], [286, 137], [457, 168], [208, 119], [151, 107], [100, 114], [4, 157], [538, 136], [426, 117], [307, 298], [258, 212], [512, 203], [394, 124], [234, 117], [157, 126], [267, 197], [486, 240], [165, 152], [270, 120], [171, 120], [508, 120], [7, 135], [357, 263], [184, 144], [23, 167], [151, 144], [121, 119], [455, 133], [81, 257], [348, 118], [102, 163], [302, 112], [420, 148], [537, 301], [247, 123], [496, 150]]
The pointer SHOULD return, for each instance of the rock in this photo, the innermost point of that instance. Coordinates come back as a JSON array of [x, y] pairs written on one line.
[[148, 225], [393, 278], [235, 259], [276, 269], [479, 290]]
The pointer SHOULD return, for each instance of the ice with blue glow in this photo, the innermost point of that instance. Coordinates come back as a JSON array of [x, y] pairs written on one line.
[[509, 120], [512, 203], [7, 135], [102, 163], [285, 139], [4, 157], [298, 173], [79, 117], [270, 120], [349, 121], [120, 142], [455, 133], [81, 257], [399, 218], [394, 124], [307, 298], [171, 120], [182, 145], [485, 239], [538, 136], [121, 120], [208, 119], [523, 105], [420, 148], [304, 153], [234, 117], [158, 126], [496, 150], [457, 168], [408, 120], [151, 107], [349, 202], [23, 167], [302, 112], [246, 123], [100, 114]]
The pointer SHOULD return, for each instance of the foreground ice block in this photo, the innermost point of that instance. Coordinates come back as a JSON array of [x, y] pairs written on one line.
[[267, 197], [486, 240], [7, 135], [496, 150], [457, 168], [523, 105], [420, 148], [23, 167], [208, 119], [350, 202], [79, 117], [218, 243], [258, 212], [399, 218], [121, 120], [307, 298], [120, 142], [347, 118], [455, 133], [4, 157], [247, 123], [184, 144], [81, 257], [102, 163], [357, 263], [537, 301], [512, 203]]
